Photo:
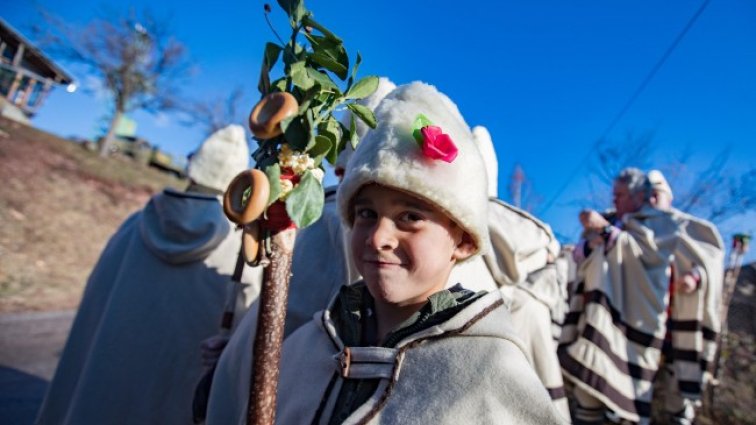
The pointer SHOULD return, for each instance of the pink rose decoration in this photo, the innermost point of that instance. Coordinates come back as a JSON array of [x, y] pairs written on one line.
[[437, 145]]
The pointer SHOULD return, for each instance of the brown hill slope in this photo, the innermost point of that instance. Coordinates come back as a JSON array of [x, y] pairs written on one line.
[[59, 204]]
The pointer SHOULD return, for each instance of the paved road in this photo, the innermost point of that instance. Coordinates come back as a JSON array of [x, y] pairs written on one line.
[[30, 344]]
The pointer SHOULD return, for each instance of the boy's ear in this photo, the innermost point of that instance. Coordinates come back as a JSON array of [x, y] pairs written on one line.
[[465, 248]]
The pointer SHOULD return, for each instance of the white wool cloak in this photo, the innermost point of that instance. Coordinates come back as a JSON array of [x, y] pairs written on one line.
[[157, 291], [469, 369], [612, 337], [520, 262], [695, 322]]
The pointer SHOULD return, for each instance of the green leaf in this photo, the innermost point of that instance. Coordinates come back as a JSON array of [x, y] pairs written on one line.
[[305, 203], [354, 139], [296, 134], [274, 176], [300, 77], [329, 54], [294, 9], [278, 85], [322, 80], [330, 129], [272, 51], [356, 66], [308, 21], [363, 88], [329, 63], [321, 148], [364, 113], [333, 154], [420, 122]]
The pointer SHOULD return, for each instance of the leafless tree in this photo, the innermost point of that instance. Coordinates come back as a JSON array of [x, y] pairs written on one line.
[[215, 113], [139, 61]]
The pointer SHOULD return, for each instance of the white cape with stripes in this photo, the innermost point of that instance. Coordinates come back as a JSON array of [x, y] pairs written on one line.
[[695, 322], [612, 336]]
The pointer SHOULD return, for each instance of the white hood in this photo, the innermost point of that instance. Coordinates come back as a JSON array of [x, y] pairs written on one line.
[[181, 227]]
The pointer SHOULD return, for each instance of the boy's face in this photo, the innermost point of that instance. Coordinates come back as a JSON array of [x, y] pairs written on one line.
[[404, 247]]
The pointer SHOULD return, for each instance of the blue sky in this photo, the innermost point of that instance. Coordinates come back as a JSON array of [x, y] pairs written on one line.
[[545, 77]]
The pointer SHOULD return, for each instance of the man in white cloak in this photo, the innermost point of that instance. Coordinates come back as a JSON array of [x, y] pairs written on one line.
[[158, 290], [695, 299]]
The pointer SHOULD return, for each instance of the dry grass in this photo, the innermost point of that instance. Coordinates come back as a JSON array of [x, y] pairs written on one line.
[[59, 204]]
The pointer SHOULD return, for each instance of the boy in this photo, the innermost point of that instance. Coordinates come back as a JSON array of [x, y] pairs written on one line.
[[397, 347]]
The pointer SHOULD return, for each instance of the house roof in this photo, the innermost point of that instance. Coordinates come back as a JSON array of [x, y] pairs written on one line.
[[32, 54]]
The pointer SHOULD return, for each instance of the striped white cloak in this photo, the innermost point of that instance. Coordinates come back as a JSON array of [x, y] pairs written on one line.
[[612, 336]]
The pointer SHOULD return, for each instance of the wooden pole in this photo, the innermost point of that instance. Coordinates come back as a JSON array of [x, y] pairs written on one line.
[[270, 330]]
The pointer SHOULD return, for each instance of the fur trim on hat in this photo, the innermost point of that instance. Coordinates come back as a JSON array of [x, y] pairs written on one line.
[[390, 156], [658, 182], [220, 158]]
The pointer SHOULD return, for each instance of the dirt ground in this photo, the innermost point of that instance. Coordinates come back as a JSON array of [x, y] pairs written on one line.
[[59, 204]]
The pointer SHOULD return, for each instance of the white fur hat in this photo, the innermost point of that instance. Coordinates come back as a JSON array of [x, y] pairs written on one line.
[[220, 158], [658, 182], [390, 156]]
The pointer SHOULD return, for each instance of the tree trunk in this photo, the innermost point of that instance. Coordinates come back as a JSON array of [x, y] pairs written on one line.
[[270, 329], [107, 141]]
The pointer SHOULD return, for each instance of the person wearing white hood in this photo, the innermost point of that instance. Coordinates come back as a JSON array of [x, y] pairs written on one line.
[[695, 294], [157, 291], [521, 266]]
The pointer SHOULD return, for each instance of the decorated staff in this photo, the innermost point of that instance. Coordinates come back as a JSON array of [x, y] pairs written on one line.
[[296, 130]]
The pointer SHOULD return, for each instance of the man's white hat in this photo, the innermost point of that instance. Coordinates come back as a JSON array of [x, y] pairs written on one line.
[[390, 156], [220, 158], [658, 182]]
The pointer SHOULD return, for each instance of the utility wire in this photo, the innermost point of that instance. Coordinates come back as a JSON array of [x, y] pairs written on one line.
[[628, 104]]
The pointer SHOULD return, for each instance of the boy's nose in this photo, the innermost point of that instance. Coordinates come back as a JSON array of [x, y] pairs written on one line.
[[383, 236]]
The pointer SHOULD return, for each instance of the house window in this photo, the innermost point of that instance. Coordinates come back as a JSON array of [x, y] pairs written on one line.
[[8, 54], [34, 95], [18, 97], [6, 80]]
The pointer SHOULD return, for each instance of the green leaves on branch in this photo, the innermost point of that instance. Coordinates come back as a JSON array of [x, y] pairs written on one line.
[[305, 203], [318, 74]]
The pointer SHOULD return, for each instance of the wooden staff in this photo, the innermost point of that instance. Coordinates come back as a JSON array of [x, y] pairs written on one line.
[[270, 329], [268, 241]]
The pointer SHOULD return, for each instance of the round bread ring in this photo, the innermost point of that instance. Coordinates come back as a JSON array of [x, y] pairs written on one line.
[[251, 243], [240, 214], [265, 118]]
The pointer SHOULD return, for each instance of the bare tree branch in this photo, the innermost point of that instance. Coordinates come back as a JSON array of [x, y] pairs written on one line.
[[215, 113]]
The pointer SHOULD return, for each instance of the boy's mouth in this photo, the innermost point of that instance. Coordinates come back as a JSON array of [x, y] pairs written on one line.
[[380, 262]]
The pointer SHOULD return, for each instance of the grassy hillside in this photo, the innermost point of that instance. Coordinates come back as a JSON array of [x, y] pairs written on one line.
[[59, 204]]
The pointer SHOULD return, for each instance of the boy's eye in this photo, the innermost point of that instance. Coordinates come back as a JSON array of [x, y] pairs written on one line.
[[364, 213], [411, 217]]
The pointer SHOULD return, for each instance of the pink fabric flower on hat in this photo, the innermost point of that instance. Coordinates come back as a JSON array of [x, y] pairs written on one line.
[[437, 144]]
